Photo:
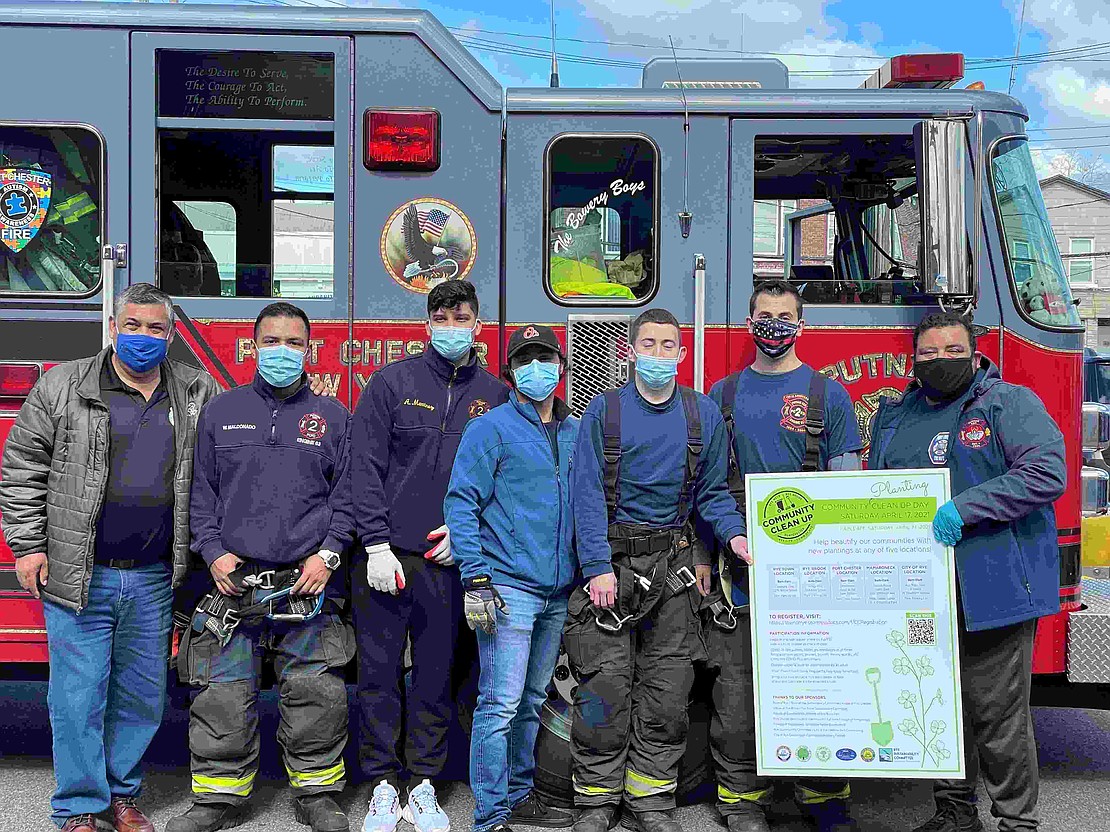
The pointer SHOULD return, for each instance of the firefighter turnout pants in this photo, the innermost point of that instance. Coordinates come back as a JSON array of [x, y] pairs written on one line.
[[223, 720], [630, 711], [732, 725]]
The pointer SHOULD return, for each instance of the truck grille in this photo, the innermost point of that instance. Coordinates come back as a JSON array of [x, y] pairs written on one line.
[[597, 349]]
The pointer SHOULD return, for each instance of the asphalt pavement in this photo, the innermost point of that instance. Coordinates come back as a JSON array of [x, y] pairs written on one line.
[[1074, 748]]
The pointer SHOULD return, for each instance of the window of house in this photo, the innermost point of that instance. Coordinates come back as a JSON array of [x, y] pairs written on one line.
[[51, 194], [768, 216], [1081, 269], [602, 209]]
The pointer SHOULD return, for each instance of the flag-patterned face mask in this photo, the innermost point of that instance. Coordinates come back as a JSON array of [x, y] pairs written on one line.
[[774, 337]]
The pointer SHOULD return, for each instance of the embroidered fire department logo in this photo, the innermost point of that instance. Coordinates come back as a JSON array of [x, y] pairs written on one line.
[[312, 426], [531, 332], [975, 433], [478, 407], [24, 202], [794, 408], [938, 448]]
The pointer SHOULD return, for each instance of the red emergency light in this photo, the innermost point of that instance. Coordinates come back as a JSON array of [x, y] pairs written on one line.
[[16, 381], [936, 71], [401, 140]]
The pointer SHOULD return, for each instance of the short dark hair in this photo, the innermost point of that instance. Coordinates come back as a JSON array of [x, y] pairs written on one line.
[[939, 320], [451, 294], [775, 288], [281, 309], [653, 316]]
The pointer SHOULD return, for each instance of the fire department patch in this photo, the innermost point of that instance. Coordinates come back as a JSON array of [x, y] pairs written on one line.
[[24, 202], [478, 407], [312, 426], [794, 407], [428, 241], [938, 448], [975, 433]]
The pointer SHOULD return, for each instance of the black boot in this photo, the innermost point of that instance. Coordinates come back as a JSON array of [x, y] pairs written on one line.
[[321, 813], [534, 812], [207, 817], [746, 816], [951, 817], [595, 819], [650, 822], [830, 815]]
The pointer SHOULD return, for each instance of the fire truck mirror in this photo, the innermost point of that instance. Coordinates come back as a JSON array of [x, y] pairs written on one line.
[[941, 148]]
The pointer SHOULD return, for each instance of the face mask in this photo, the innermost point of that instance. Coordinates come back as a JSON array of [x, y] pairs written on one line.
[[140, 353], [656, 373], [280, 365], [945, 378], [452, 342], [774, 338], [537, 380]]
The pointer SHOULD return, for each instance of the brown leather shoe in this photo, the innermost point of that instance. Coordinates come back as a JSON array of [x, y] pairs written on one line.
[[80, 823], [127, 818]]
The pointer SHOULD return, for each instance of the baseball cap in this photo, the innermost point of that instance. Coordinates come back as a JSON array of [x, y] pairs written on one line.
[[532, 334]]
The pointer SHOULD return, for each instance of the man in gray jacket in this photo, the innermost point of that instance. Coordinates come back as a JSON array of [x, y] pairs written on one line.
[[94, 491]]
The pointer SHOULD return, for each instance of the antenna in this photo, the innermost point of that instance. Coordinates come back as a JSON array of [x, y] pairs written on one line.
[[1017, 50], [554, 56], [684, 216]]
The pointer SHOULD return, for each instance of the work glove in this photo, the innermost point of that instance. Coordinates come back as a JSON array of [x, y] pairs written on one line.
[[480, 602], [441, 553], [948, 526], [383, 570]]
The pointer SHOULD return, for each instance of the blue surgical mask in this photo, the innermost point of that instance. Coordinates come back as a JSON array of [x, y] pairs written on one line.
[[280, 365], [537, 380], [452, 342], [140, 353], [656, 373]]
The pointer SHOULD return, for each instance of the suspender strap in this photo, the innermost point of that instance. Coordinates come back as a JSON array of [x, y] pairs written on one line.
[[728, 410], [815, 421], [693, 450], [611, 450]]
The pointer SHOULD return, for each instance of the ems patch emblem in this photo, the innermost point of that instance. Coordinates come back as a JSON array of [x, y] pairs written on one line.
[[975, 433], [312, 426], [794, 408], [24, 202], [938, 448], [478, 407]]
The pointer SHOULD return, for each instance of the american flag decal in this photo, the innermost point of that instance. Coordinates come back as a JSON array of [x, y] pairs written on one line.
[[433, 221]]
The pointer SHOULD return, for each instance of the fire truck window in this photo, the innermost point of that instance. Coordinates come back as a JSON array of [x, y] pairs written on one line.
[[304, 248], [1039, 280], [215, 225], [50, 221], [601, 218]]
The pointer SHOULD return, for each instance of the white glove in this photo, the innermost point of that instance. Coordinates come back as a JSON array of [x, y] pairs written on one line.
[[441, 554], [383, 570]]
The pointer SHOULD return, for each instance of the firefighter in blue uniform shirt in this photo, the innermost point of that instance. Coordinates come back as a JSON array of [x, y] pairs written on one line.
[[648, 455], [271, 516], [1006, 459], [405, 432], [508, 508], [769, 410]]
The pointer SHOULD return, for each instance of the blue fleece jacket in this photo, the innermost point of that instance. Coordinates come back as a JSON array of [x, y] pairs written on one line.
[[652, 470], [404, 436], [270, 476], [508, 504], [1006, 459]]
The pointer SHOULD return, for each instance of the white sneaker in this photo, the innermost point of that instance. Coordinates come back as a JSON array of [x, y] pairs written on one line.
[[423, 810], [385, 809]]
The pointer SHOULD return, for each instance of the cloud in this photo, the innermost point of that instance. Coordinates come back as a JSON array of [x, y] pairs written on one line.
[[1069, 91]]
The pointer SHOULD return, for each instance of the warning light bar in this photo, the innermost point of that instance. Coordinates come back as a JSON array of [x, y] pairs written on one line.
[[401, 140], [16, 381], [937, 71]]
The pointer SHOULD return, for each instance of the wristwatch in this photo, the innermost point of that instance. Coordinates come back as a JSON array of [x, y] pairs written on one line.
[[331, 559]]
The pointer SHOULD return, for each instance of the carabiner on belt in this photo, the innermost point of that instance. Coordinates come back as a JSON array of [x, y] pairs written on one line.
[[617, 623]]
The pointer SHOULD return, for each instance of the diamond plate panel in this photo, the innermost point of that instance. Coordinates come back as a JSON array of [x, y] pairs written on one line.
[[1089, 634], [597, 349]]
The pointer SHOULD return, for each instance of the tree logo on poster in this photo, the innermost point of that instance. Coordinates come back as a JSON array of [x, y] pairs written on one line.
[[787, 515]]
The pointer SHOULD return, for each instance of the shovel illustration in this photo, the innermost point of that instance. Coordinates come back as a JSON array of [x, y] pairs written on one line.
[[881, 732]]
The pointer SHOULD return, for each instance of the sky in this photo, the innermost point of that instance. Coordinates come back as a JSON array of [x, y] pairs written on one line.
[[825, 43]]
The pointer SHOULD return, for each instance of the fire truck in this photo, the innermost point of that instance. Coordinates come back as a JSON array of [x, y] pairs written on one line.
[[350, 160]]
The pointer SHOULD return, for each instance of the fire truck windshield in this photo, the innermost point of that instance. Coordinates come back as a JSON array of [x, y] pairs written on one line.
[[1036, 270]]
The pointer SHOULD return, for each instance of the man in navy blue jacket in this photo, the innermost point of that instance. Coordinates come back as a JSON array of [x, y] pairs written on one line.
[[508, 509], [648, 455], [1006, 460], [270, 513], [405, 433]]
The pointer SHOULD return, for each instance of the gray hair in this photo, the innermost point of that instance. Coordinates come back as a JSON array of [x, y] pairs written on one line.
[[143, 294]]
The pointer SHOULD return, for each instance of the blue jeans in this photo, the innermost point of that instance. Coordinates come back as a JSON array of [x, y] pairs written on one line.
[[516, 666], [107, 686]]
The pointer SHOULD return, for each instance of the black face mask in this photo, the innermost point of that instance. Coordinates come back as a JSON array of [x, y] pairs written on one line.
[[945, 378]]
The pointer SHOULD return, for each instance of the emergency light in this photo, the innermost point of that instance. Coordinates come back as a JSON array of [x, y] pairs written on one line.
[[16, 381], [401, 140], [937, 71]]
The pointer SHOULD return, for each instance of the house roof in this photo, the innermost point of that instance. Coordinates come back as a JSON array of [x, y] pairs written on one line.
[[1060, 179]]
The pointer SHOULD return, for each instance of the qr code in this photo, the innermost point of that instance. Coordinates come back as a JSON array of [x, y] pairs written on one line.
[[921, 632]]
